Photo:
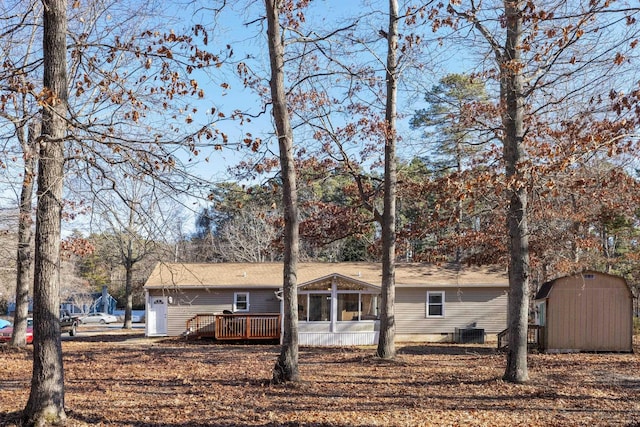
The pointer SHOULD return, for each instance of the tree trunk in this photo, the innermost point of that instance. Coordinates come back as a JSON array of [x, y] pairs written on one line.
[[286, 367], [128, 263], [575, 250], [459, 205], [128, 294], [512, 98], [25, 220], [46, 400], [386, 341]]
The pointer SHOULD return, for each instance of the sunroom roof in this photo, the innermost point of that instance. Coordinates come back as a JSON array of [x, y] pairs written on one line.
[[342, 282]]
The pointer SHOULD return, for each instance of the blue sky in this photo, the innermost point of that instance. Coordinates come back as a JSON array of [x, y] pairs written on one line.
[[242, 28], [249, 40]]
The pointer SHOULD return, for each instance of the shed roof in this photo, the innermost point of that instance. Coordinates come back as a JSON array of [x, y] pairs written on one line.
[[544, 290], [270, 275], [546, 287]]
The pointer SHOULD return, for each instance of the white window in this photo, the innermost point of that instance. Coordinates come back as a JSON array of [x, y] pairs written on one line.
[[241, 301], [435, 304]]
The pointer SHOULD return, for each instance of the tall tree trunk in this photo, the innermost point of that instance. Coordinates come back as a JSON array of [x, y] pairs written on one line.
[[386, 341], [575, 228], [459, 205], [25, 220], [128, 294], [286, 367], [512, 98], [128, 263], [46, 400]]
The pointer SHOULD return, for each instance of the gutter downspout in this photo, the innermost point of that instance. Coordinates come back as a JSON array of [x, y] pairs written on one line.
[[281, 299]]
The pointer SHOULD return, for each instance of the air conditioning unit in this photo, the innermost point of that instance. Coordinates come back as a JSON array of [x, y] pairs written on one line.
[[469, 336]]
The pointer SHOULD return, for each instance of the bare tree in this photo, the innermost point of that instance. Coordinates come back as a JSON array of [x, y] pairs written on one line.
[[8, 250], [386, 341], [545, 55], [286, 367], [25, 221], [248, 236], [134, 223], [512, 100], [99, 55], [46, 399], [19, 110]]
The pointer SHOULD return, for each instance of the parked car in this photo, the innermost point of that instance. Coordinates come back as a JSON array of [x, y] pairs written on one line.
[[102, 318], [137, 316], [7, 331], [68, 323]]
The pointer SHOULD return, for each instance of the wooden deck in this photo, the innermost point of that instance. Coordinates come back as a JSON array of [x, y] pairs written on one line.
[[234, 326], [534, 338]]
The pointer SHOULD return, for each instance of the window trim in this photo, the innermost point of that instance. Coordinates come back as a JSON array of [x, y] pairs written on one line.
[[235, 301], [442, 304]]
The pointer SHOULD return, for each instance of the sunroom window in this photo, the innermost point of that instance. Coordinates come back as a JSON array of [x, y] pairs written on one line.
[[369, 307], [357, 306], [314, 307], [348, 306]]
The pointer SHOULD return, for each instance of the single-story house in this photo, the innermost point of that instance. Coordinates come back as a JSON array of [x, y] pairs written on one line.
[[338, 303], [588, 311]]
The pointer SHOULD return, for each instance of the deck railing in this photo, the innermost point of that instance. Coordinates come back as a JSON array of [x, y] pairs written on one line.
[[234, 326], [534, 337]]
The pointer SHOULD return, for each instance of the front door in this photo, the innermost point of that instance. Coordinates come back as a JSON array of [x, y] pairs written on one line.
[[157, 315]]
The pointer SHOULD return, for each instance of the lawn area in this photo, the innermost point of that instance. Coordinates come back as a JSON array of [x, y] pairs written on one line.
[[127, 380]]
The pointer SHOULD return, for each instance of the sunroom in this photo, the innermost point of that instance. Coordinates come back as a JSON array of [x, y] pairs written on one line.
[[336, 310]]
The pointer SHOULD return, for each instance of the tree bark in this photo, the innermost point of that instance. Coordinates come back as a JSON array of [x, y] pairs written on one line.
[[386, 340], [286, 367], [25, 220], [46, 399], [512, 98], [129, 261], [128, 286]]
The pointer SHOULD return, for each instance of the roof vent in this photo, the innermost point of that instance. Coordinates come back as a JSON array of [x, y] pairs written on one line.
[[359, 274], [244, 274]]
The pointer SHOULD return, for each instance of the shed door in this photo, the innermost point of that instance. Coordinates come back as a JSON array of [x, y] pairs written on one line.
[[541, 313], [157, 316]]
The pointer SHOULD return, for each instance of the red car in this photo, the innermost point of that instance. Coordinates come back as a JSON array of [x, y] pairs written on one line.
[[7, 331]]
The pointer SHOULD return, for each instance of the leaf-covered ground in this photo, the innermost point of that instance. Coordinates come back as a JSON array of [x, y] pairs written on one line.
[[126, 380]]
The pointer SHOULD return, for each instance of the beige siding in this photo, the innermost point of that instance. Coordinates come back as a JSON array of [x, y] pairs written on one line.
[[589, 314], [187, 303], [484, 307]]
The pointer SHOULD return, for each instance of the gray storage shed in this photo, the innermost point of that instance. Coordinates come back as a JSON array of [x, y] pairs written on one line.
[[588, 311]]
